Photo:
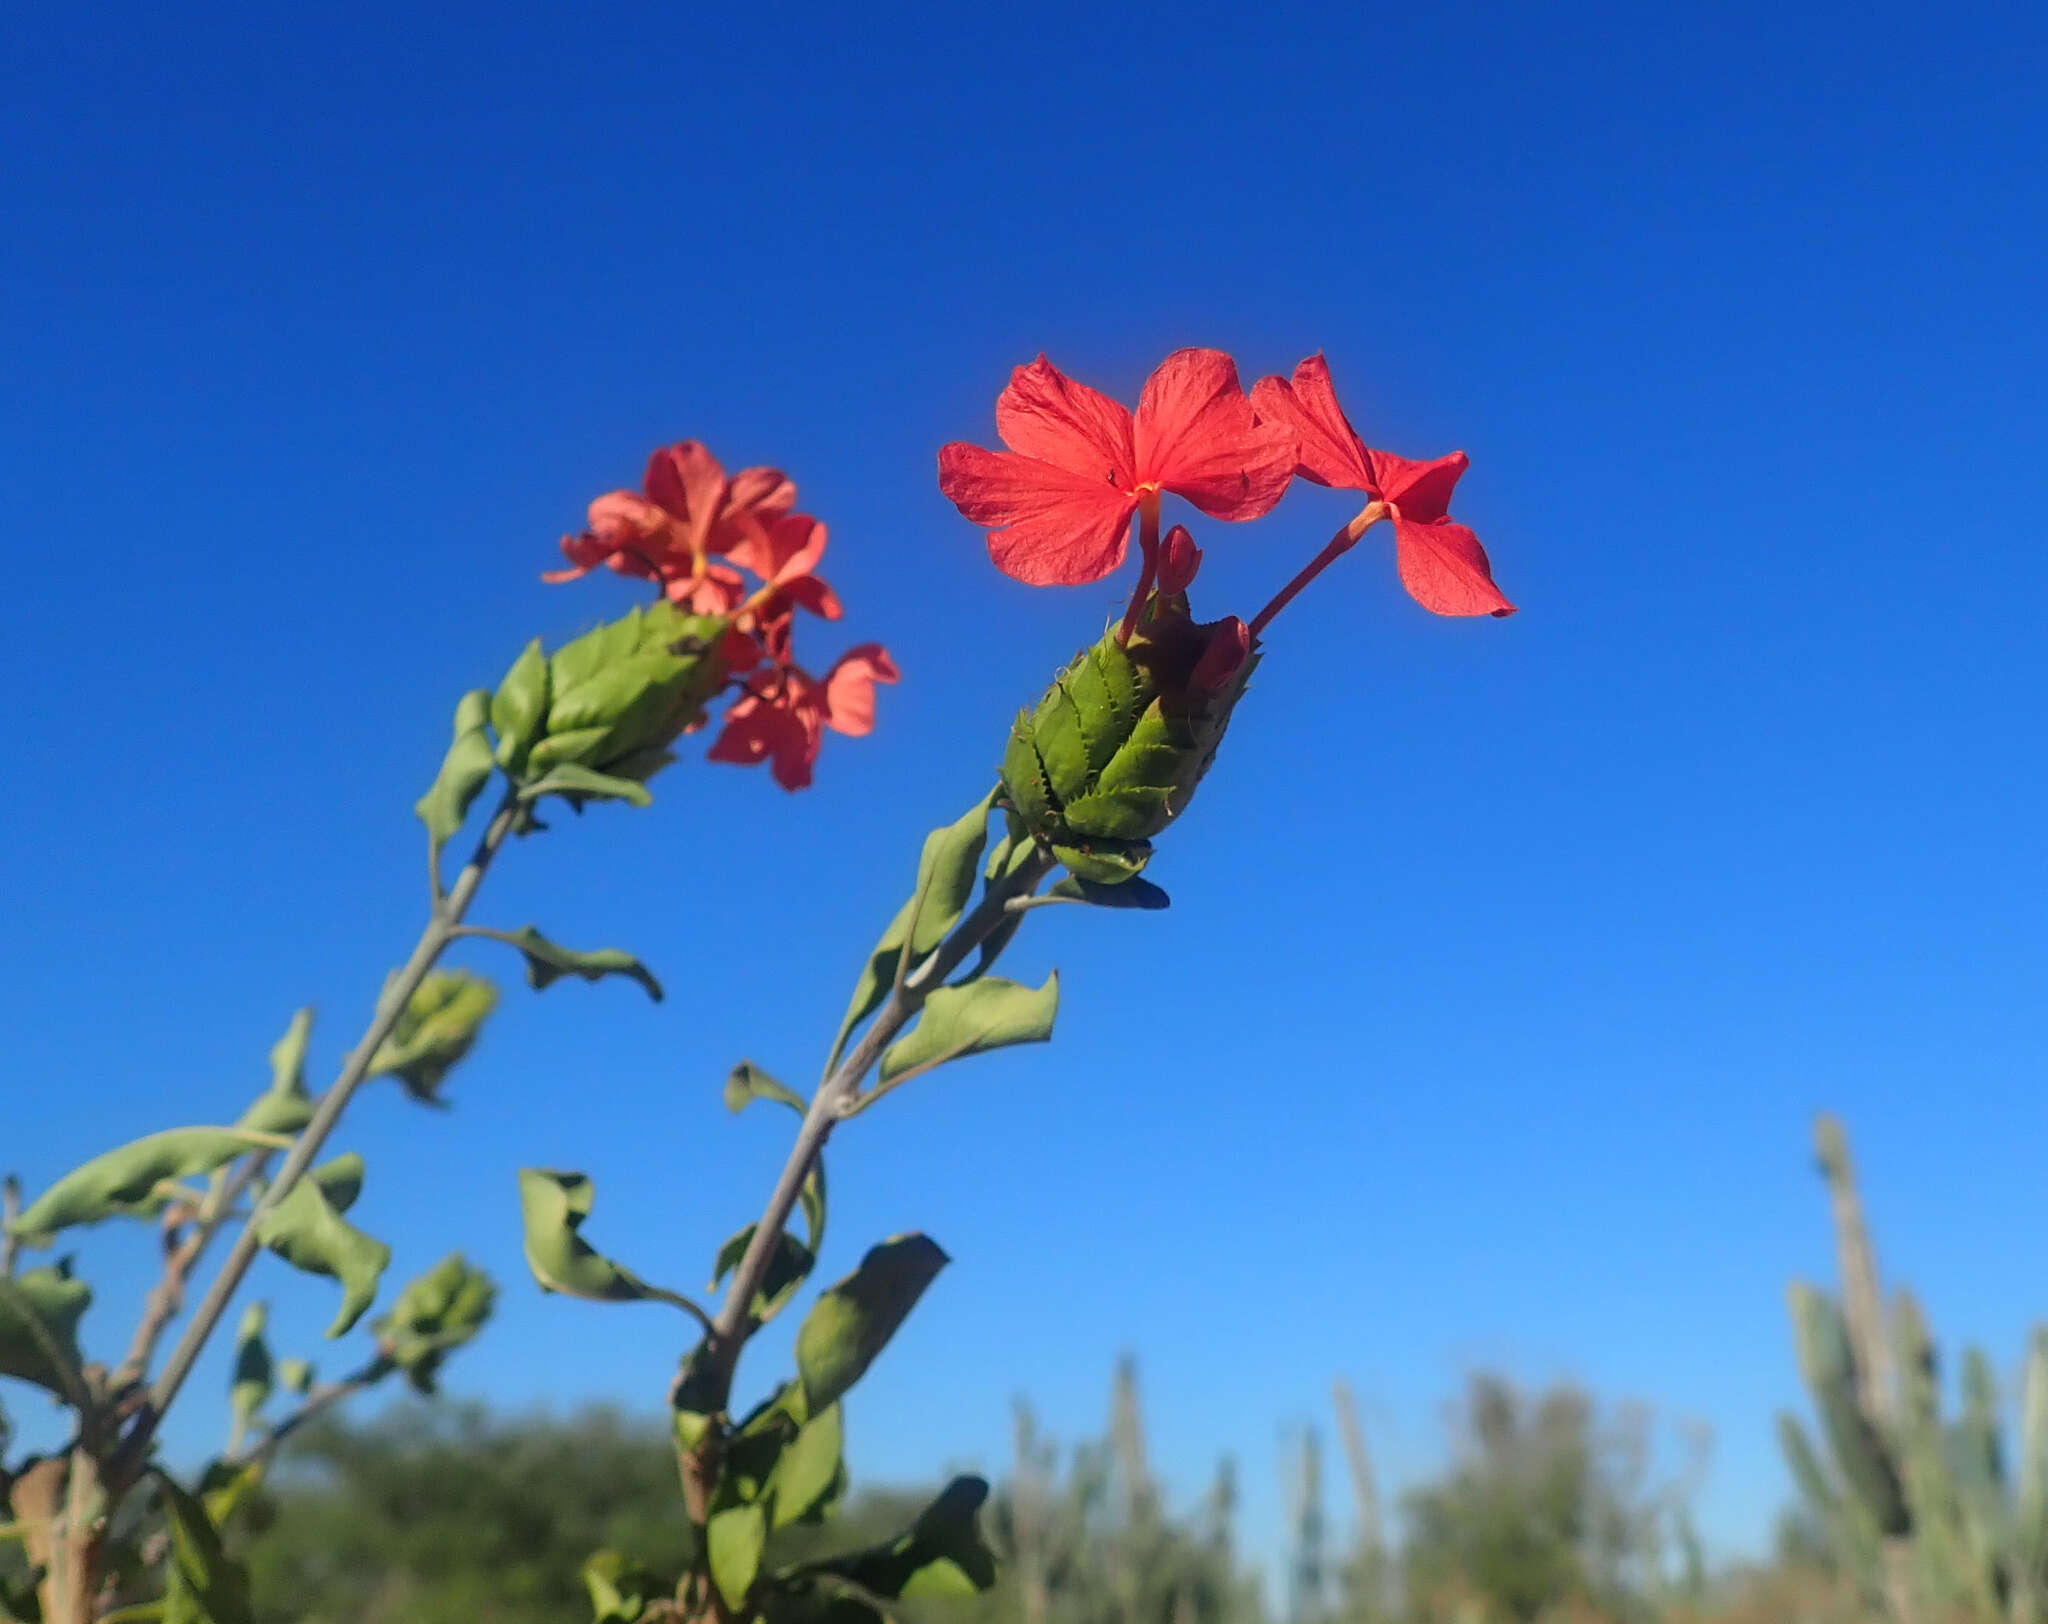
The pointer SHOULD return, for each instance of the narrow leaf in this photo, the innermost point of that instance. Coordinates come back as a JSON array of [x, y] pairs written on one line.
[[305, 1230], [250, 1386], [851, 1323], [1136, 892], [748, 1082], [547, 962], [554, 1206], [125, 1182], [464, 771], [990, 1013], [577, 784]]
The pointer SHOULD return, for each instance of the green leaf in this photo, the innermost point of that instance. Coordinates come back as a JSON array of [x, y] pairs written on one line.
[[547, 962], [288, 1054], [554, 1206], [133, 1181], [519, 706], [620, 1589], [434, 1315], [206, 1585], [733, 1539], [440, 1024], [249, 1387], [306, 1231], [295, 1376], [851, 1323], [340, 1179], [39, 1314], [946, 871], [787, 1269], [990, 1013], [577, 784], [810, 1473], [748, 1082], [1132, 893], [464, 771], [943, 1554]]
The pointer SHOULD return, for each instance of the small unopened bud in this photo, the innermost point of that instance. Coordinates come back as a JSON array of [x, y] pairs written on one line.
[[1179, 558], [1230, 645]]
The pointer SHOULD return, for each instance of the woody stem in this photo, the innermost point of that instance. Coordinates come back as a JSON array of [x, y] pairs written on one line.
[[1148, 545], [1339, 544]]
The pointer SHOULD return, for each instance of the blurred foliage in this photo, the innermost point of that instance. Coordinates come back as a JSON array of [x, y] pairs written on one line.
[[1550, 1510]]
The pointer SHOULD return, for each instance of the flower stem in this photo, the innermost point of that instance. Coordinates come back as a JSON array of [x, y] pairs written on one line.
[[1339, 544], [440, 930], [1148, 545]]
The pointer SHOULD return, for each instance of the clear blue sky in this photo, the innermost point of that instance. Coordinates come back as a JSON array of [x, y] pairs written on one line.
[[1508, 959]]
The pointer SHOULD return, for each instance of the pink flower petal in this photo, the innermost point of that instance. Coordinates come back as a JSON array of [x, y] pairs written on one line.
[[1047, 526], [1045, 414], [1330, 450], [1198, 437], [1446, 570]]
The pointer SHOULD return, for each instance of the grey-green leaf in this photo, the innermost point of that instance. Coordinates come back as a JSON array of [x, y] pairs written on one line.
[[207, 1586], [464, 771], [946, 871], [547, 962], [305, 1230], [288, 1054], [131, 1182], [340, 1179], [578, 784], [250, 1385], [748, 1082], [519, 706], [851, 1323], [554, 1205], [732, 1541], [434, 1315], [39, 1314], [990, 1013], [439, 1025], [1137, 892]]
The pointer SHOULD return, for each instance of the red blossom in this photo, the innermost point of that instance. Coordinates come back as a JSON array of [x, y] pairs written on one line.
[[1441, 562], [783, 720], [1058, 504]]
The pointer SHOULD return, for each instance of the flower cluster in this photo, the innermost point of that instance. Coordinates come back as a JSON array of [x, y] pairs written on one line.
[[1057, 505], [700, 535]]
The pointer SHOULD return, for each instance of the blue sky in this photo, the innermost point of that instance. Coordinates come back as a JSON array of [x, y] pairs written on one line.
[[1508, 960]]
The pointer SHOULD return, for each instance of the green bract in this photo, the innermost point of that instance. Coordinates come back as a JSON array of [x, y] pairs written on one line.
[[1113, 751]]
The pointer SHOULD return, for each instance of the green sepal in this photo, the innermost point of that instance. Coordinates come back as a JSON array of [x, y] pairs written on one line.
[[553, 1206], [435, 1314], [134, 1181], [946, 871], [622, 691], [39, 1314], [852, 1322], [249, 1386], [465, 769], [307, 1232], [548, 962], [942, 1555], [439, 1025], [972, 1018], [519, 706]]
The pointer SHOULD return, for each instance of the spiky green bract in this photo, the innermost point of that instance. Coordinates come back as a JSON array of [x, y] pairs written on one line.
[[1112, 752]]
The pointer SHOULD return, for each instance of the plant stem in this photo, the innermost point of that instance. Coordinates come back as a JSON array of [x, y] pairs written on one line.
[[1335, 548], [318, 1402], [440, 930], [831, 1102]]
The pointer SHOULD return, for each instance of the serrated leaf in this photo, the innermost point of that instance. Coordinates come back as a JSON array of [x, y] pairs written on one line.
[[851, 1323], [519, 706], [747, 1082], [946, 870], [206, 1585], [554, 1206], [133, 1181], [547, 962], [943, 1553], [305, 1230], [465, 769], [973, 1018], [579, 783], [732, 1542], [39, 1314], [250, 1385], [809, 1470]]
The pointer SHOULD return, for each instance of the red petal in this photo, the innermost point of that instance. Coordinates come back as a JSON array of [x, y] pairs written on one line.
[[686, 480], [850, 688], [1331, 452], [1047, 527], [780, 552], [767, 493], [1421, 490], [1179, 558], [1045, 414], [1445, 569], [1198, 437], [809, 592]]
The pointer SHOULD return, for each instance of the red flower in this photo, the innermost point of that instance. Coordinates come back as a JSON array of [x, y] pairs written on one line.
[[785, 555], [686, 512], [1442, 564], [784, 722], [1058, 504]]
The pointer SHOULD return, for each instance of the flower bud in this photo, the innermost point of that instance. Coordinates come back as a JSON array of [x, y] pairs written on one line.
[[1113, 751]]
